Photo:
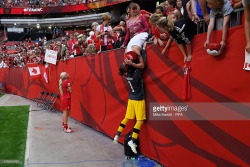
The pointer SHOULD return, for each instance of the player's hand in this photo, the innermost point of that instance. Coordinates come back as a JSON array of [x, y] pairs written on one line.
[[128, 62]]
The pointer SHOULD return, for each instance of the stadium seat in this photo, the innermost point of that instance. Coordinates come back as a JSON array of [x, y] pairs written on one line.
[[49, 102], [45, 100], [39, 100]]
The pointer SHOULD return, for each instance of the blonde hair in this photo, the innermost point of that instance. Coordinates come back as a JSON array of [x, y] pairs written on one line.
[[63, 76], [171, 14], [91, 49], [106, 17], [133, 5], [154, 18], [164, 23]]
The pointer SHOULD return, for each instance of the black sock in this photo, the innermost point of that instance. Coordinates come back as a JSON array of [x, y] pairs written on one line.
[[133, 139]]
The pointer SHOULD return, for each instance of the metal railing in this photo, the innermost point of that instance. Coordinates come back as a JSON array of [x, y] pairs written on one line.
[[235, 20]]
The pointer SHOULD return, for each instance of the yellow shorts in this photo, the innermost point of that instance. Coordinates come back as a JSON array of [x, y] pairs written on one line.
[[136, 108]]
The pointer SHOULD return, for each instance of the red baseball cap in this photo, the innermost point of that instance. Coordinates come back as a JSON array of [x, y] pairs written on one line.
[[214, 46], [214, 49]]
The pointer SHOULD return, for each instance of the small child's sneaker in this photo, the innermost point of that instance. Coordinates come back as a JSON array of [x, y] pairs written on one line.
[[68, 130], [116, 138], [132, 146]]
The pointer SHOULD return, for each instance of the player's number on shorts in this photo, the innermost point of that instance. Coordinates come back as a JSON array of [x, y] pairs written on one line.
[[132, 89]]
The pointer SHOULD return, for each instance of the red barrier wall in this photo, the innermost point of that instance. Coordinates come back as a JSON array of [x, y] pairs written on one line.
[[99, 100]]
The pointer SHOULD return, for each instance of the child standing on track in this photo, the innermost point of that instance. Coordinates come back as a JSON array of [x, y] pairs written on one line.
[[65, 95]]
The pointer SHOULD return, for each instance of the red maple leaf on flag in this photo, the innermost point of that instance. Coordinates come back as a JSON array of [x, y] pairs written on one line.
[[34, 71]]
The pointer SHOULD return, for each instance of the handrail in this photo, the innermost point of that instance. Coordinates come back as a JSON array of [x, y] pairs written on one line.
[[235, 20]]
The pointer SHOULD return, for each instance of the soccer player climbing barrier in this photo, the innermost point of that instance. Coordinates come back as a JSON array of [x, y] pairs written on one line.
[[99, 98]]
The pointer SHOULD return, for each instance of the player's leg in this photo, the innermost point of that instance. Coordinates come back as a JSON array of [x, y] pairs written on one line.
[[140, 112], [130, 114]]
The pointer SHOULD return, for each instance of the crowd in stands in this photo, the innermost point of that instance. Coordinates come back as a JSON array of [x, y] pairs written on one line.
[[42, 3], [164, 26]]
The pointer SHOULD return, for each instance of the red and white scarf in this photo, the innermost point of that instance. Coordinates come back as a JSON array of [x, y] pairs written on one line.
[[109, 39]]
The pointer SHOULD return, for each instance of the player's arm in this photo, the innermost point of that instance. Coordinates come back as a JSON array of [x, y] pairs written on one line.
[[139, 65], [60, 90], [69, 87]]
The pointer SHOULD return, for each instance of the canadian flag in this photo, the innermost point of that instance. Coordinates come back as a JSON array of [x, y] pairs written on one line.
[[34, 70]]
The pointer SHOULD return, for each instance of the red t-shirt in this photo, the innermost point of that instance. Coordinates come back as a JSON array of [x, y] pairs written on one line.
[[70, 44], [65, 85], [77, 50]]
